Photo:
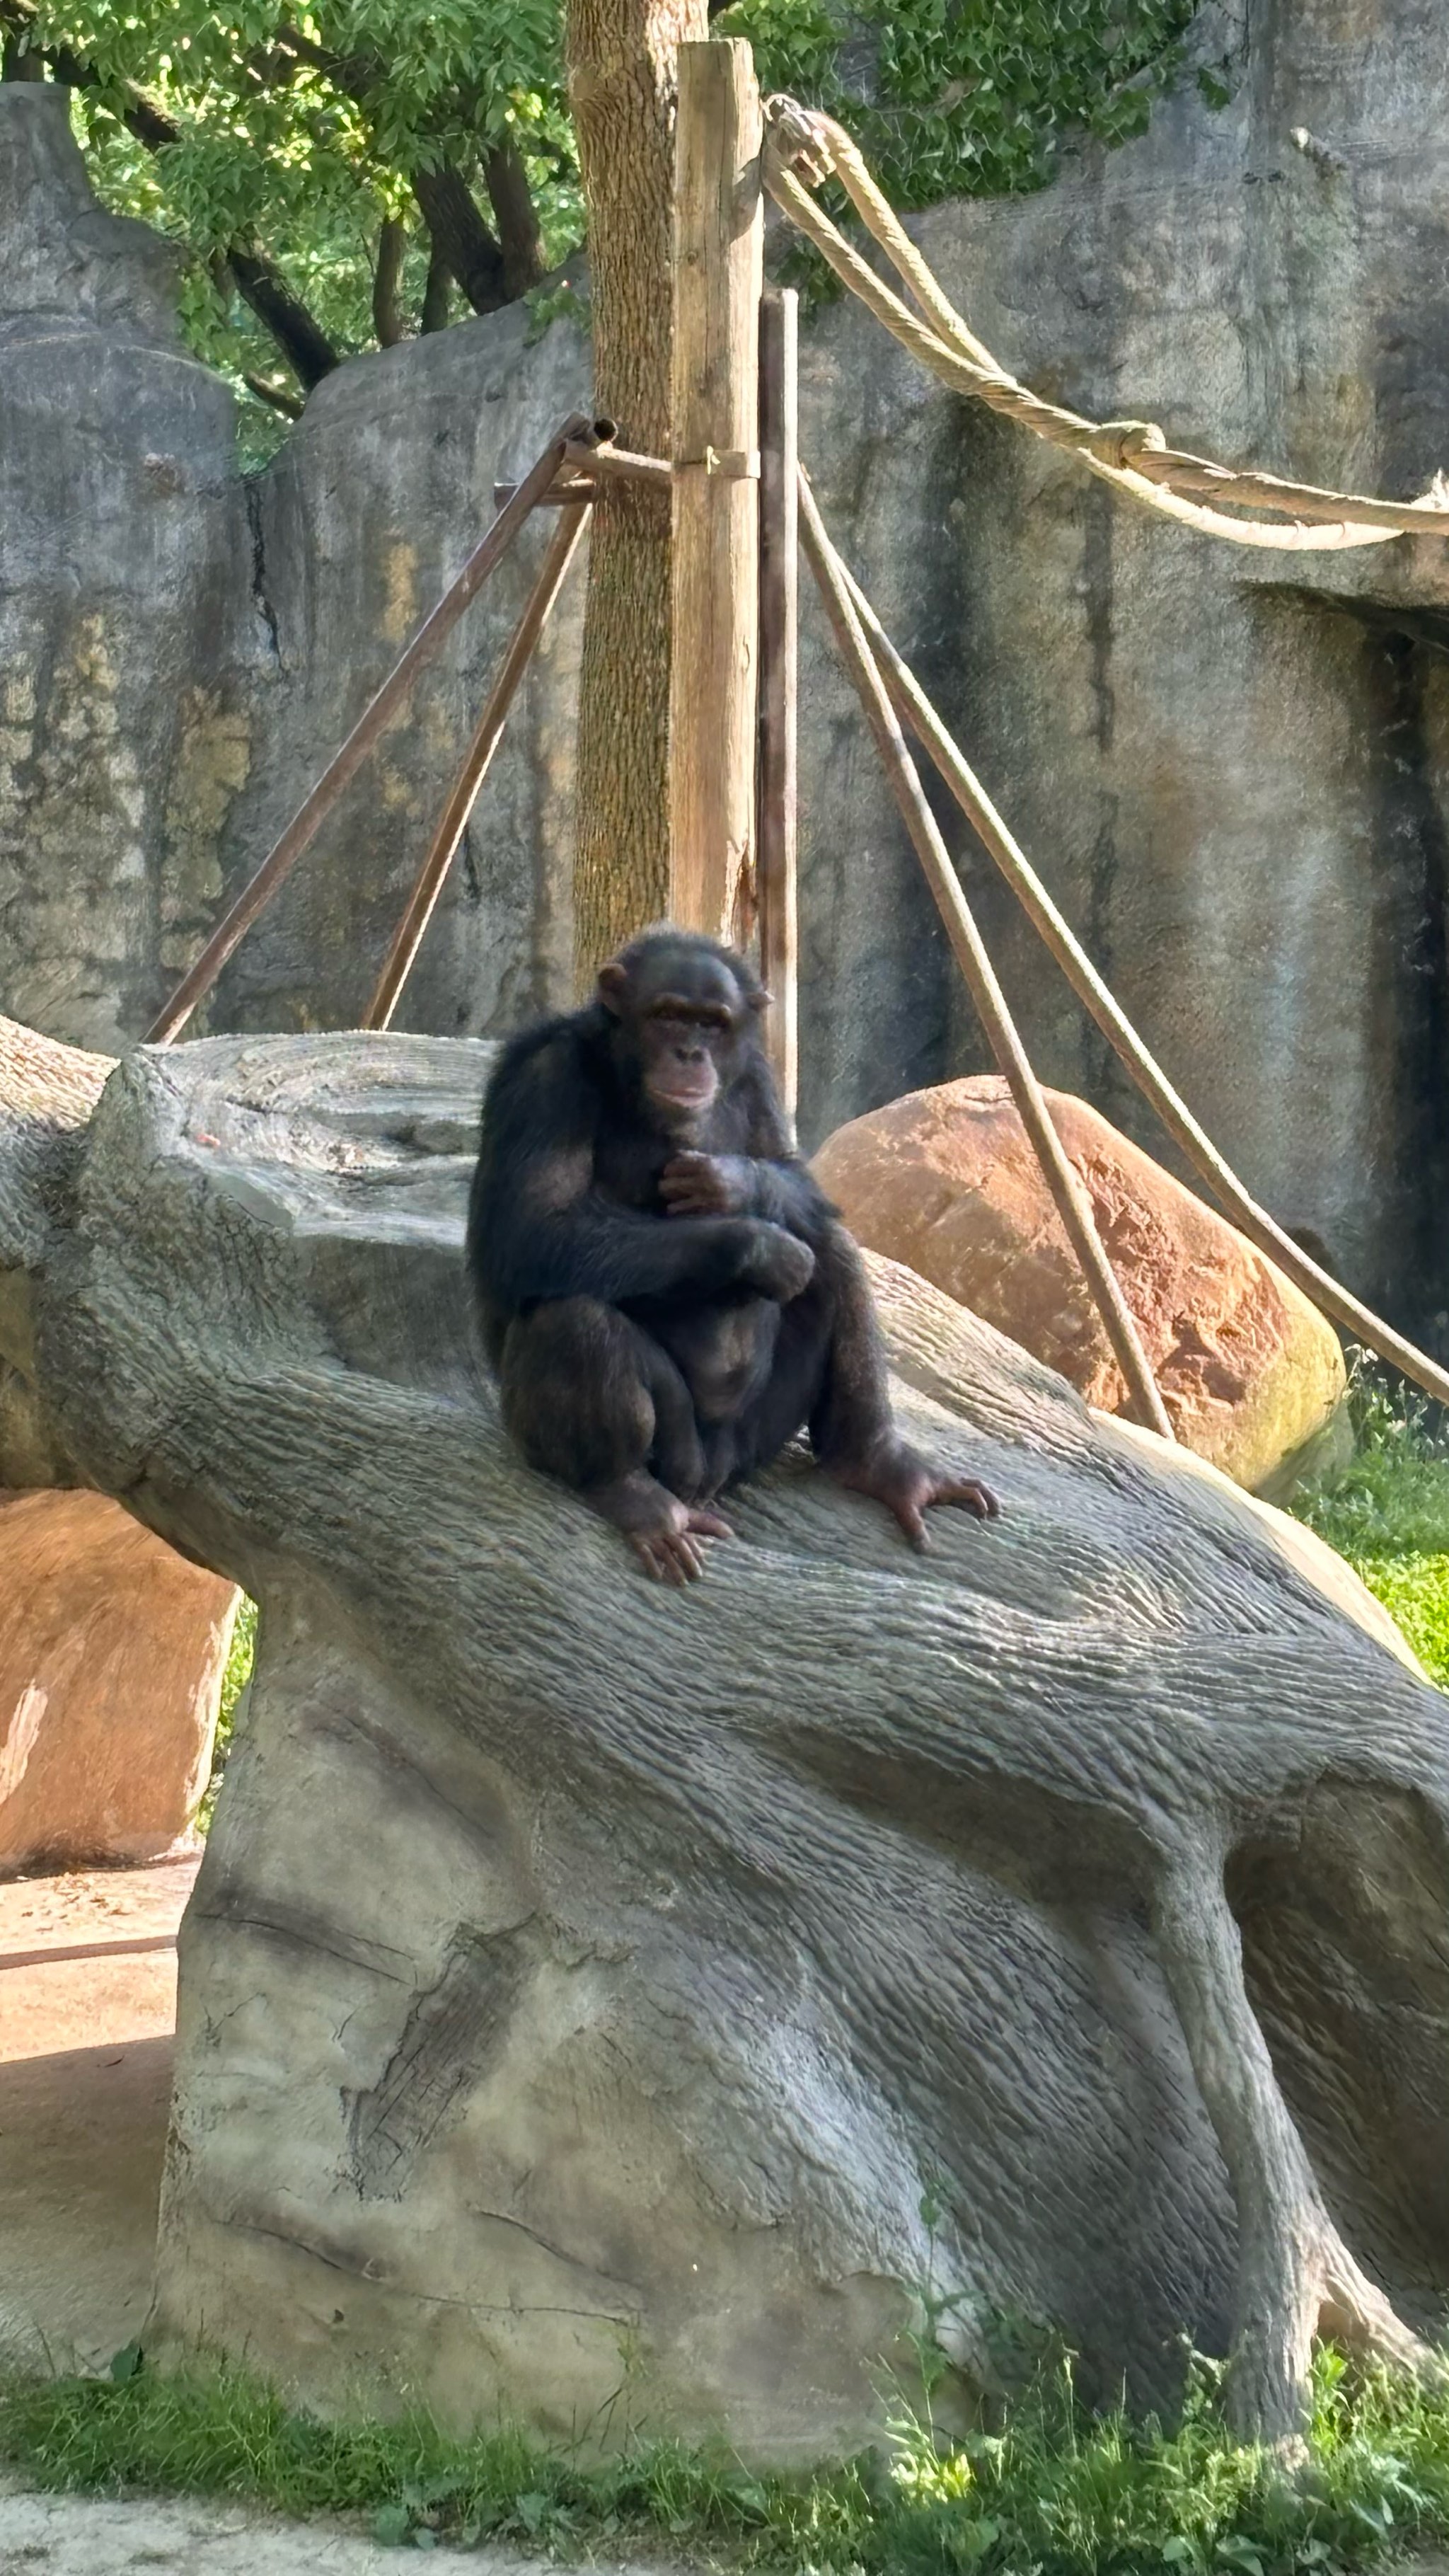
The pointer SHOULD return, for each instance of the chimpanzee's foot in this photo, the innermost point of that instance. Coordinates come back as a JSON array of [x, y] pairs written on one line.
[[663, 1532], [909, 1484]]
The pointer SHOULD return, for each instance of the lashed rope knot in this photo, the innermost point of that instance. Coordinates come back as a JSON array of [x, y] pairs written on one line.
[[804, 147], [1119, 443]]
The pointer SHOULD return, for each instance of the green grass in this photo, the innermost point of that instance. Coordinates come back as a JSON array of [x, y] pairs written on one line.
[[1057, 2491], [1389, 1512]]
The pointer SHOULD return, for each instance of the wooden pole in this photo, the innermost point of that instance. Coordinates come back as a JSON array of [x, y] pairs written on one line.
[[407, 939], [254, 898], [719, 236], [779, 680], [913, 705], [1071, 1200]]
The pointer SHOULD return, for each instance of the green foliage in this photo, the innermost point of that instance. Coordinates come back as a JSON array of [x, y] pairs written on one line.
[[300, 128], [1056, 2489], [241, 1655], [968, 97], [560, 303], [1388, 1514]]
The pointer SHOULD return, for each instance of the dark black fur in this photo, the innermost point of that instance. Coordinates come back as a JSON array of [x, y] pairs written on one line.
[[634, 1344]]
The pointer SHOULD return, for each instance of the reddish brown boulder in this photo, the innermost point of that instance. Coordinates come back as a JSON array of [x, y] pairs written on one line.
[[946, 1181], [112, 1650]]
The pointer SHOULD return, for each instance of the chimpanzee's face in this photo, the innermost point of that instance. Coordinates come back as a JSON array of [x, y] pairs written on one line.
[[686, 1022]]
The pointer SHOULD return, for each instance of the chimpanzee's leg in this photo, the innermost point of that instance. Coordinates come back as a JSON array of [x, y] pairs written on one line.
[[830, 1371], [788, 1398], [726, 1356], [589, 1398]]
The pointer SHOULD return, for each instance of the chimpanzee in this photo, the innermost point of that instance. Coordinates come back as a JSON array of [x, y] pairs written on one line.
[[665, 1294]]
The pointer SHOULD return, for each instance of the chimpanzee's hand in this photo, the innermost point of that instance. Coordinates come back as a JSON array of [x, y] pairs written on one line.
[[776, 1263], [704, 1185]]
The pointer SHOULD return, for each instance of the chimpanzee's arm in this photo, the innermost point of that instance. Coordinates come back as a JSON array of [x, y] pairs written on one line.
[[538, 1227], [767, 1179], [853, 1430], [778, 1185]]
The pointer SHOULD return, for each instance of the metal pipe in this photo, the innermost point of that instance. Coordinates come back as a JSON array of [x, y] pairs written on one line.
[[254, 898], [407, 939]]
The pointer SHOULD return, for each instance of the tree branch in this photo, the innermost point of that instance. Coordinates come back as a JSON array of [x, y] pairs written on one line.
[[387, 318], [20, 62], [516, 216], [273, 395], [302, 341], [461, 237], [437, 294]]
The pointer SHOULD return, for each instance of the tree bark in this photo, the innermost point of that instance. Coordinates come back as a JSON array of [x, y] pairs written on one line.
[[516, 216], [302, 341], [274, 396], [621, 61], [460, 236], [387, 317], [437, 294]]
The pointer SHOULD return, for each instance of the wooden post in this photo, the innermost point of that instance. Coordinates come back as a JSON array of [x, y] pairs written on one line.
[[719, 238], [407, 939], [1068, 1192], [779, 607]]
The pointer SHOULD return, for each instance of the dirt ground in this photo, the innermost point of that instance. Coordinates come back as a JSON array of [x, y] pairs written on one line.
[[83, 2536], [87, 2017], [87, 2012]]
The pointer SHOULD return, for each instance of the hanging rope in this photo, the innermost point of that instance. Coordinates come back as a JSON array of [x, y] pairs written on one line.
[[803, 149]]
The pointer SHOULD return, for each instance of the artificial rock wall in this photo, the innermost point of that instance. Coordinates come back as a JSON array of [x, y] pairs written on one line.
[[1232, 767]]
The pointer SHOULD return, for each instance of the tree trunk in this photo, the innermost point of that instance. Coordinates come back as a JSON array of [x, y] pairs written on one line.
[[516, 216], [387, 319], [460, 236], [437, 294], [302, 341], [621, 57]]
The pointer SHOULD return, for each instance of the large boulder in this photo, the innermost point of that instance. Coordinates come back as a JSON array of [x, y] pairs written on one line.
[[586, 1985], [947, 1181], [112, 1651]]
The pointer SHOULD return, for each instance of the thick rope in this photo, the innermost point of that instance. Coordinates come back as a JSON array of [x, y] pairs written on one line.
[[803, 146]]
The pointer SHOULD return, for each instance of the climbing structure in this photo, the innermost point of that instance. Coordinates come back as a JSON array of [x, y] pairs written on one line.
[[742, 504]]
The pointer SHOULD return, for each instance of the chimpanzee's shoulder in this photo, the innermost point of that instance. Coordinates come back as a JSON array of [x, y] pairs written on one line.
[[550, 1052]]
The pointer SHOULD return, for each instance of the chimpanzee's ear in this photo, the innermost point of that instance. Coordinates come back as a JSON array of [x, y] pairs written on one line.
[[761, 999], [613, 984]]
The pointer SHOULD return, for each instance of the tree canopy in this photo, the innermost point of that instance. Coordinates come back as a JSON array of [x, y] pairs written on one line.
[[342, 175]]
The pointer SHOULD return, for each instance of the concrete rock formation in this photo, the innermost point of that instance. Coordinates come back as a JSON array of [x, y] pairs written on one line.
[[946, 1181], [112, 1651], [584, 1983], [1231, 767]]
